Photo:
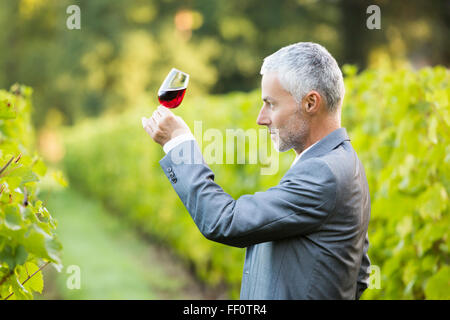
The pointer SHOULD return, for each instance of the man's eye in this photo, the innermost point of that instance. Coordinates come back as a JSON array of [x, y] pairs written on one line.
[[271, 105]]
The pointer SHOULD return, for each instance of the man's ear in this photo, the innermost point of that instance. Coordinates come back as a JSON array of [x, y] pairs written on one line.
[[312, 101]]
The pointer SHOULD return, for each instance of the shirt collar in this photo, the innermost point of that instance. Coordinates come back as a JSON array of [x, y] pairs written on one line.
[[299, 155]]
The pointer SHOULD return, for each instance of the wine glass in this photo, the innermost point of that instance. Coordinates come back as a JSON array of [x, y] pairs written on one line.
[[173, 88]]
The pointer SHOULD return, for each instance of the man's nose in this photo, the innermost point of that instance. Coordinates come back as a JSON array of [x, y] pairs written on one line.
[[263, 118]]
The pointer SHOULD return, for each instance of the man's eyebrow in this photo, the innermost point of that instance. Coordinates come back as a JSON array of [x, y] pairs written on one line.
[[267, 99]]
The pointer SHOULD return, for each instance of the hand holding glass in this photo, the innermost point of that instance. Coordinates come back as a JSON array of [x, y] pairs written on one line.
[[173, 88]]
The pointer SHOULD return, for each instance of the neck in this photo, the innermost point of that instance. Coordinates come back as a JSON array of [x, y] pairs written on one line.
[[318, 131]]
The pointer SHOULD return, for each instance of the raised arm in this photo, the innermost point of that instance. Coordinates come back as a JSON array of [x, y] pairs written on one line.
[[298, 205]]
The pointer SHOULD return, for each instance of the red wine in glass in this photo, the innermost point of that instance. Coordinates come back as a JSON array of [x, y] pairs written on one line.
[[173, 88], [171, 98]]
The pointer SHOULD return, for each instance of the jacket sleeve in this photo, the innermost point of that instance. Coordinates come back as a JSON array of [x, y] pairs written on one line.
[[364, 271], [300, 204]]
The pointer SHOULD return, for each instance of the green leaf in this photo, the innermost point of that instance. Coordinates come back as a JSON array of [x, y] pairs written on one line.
[[36, 282], [38, 242], [7, 110], [7, 256], [40, 168], [25, 173], [410, 273], [13, 218], [438, 285], [430, 263], [433, 202], [13, 256], [13, 182], [20, 292], [59, 178], [21, 255], [432, 130], [405, 226]]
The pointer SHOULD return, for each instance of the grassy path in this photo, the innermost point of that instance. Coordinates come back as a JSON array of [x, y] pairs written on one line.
[[114, 262]]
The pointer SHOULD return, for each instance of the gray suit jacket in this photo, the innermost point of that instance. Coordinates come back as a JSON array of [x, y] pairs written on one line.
[[306, 238]]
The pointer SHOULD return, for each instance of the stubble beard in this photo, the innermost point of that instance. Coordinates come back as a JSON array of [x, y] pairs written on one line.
[[294, 136]]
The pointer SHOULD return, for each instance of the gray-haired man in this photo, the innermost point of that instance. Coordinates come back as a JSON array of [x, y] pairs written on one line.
[[306, 238]]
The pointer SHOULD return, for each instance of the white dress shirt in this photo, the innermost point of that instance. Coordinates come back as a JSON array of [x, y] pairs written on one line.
[[301, 153], [176, 141], [188, 136]]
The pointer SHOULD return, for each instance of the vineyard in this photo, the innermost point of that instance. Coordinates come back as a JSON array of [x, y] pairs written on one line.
[[86, 211], [27, 239], [398, 123]]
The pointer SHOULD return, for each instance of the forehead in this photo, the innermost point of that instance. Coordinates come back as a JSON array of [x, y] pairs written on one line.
[[271, 86]]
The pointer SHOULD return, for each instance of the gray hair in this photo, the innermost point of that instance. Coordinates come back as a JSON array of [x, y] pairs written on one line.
[[306, 66]]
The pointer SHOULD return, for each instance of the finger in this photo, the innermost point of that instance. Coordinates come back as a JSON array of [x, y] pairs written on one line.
[[157, 115], [148, 126], [153, 123], [147, 123], [164, 111], [149, 130], [144, 121], [161, 108]]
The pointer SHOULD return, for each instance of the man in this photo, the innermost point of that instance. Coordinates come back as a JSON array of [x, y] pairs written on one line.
[[306, 238]]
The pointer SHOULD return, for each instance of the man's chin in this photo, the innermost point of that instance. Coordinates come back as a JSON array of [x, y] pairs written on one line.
[[282, 148]]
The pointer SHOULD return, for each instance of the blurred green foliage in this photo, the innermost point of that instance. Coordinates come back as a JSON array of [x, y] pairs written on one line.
[[113, 262], [398, 122], [125, 48], [400, 127], [27, 238]]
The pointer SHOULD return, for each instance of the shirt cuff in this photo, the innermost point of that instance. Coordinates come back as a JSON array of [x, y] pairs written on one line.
[[169, 145]]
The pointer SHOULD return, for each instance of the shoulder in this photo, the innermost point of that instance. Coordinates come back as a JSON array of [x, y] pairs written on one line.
[[342, 161], [314, 180], [338, 164], [315, 171]]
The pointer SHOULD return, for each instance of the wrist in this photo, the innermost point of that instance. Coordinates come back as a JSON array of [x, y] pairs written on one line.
[[177, 139]]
